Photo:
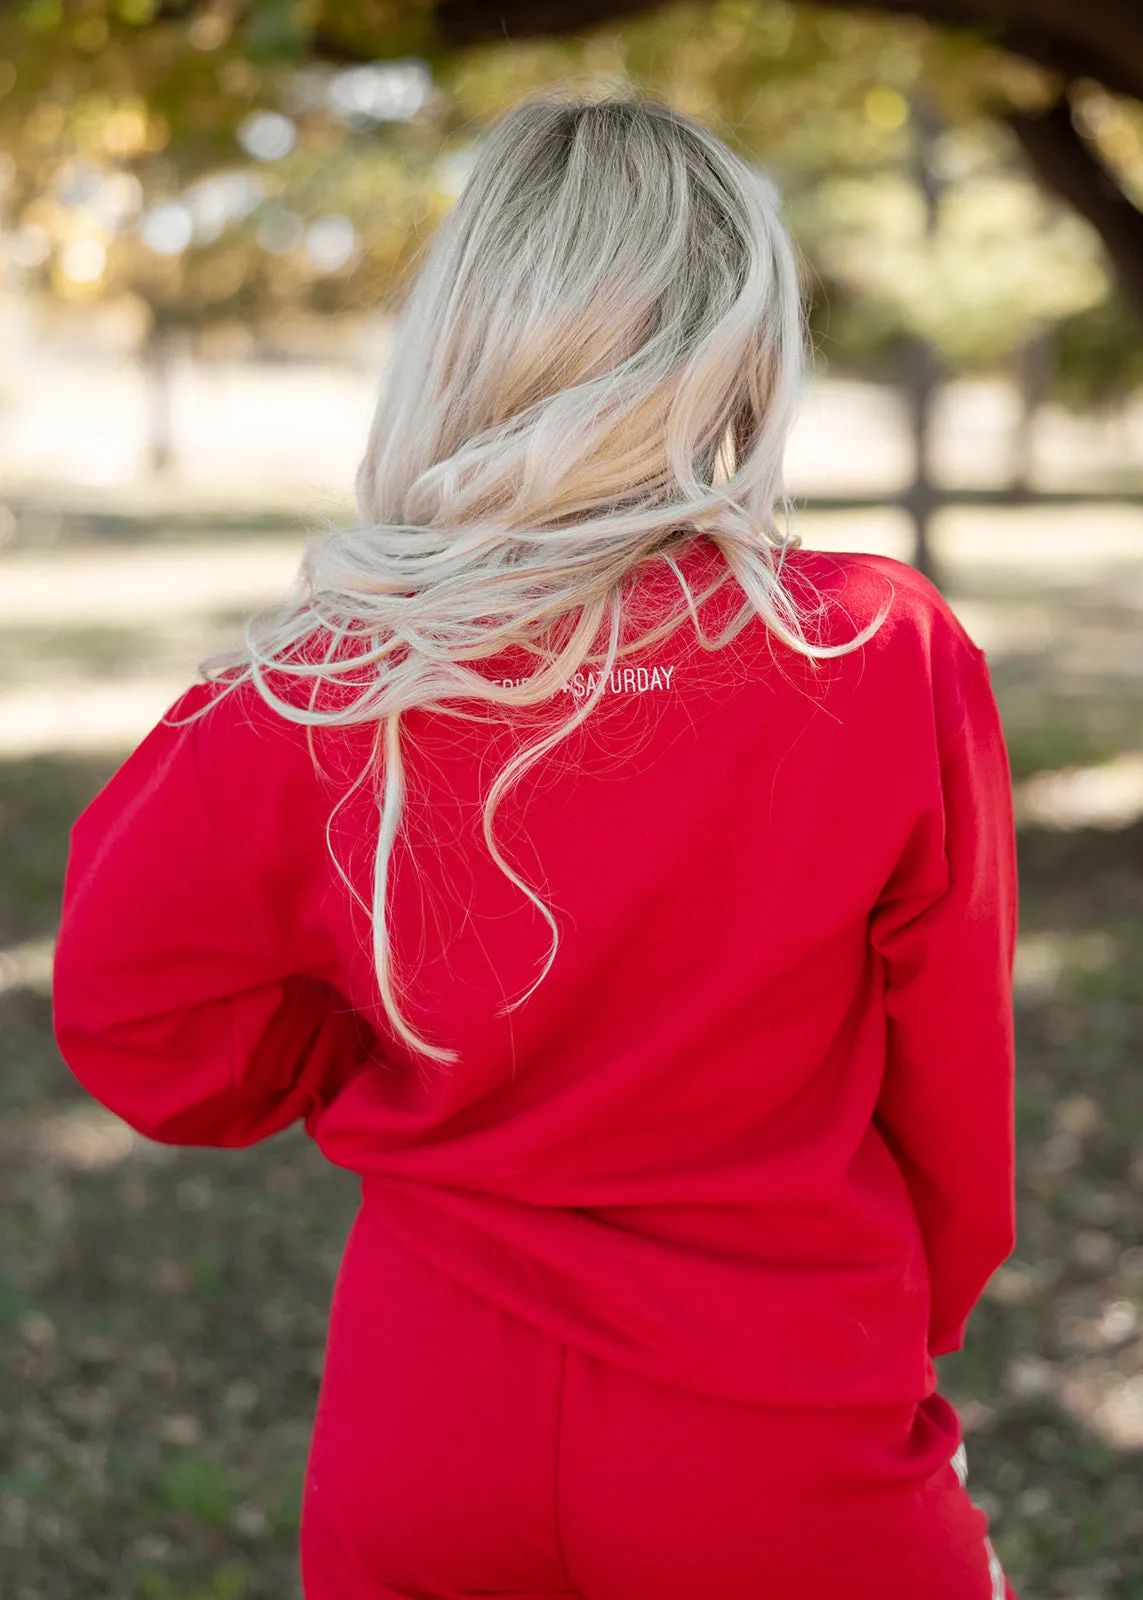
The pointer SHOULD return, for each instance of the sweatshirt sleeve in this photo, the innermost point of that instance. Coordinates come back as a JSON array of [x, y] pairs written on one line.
[[192, 991], [946, 928]]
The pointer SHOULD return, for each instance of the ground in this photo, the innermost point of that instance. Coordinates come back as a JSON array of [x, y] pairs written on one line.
[[163, 1311]]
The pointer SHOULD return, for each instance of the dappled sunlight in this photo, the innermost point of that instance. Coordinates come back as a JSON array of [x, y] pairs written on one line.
[[1108, 1402], [82, 717], [1108, 795], [1097, 1378], [27, 966], [1045, 959], [1095, 1394], [84, 1138], [99, 639], [68, 587], [290, 429]]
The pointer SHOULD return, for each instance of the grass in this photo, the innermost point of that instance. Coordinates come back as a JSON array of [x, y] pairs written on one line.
[[162, 1317]]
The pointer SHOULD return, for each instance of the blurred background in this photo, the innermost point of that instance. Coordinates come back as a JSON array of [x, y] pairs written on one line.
[[207, 210]]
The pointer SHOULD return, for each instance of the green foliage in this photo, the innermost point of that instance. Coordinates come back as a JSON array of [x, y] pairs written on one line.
[[152, 1583], [1096, 1460], [1091, 1524], [1099, 354], [131, 174], [286, 1501], [15, 1303], [209, 1274], [231, 1581], [28, 1485], [277, 28], [1033, 1112], [969, 1371], [135, 168], [194, 1484]]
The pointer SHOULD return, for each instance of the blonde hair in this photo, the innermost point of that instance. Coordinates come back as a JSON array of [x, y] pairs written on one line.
[[599, 359]]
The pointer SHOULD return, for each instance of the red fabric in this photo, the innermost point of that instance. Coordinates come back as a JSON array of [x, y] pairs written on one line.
[[752, 1134], [438, 1411]]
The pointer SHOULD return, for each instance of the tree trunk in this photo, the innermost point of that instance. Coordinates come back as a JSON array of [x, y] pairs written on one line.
[[1101, 40], [1069, 167], [921, 382], [922, 368], [1035, 364], [157, 365]]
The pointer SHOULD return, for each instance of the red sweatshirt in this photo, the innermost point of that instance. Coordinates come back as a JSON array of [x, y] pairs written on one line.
[[753, 1133]]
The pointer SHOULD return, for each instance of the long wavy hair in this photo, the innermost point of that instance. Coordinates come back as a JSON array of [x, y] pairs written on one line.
[[598, 360]]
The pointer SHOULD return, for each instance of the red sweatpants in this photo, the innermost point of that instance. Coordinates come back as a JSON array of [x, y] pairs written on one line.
[[458, 1451]]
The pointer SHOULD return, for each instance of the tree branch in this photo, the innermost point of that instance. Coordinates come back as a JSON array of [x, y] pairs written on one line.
[[1101, 39], [463, 22], [1069, 166]]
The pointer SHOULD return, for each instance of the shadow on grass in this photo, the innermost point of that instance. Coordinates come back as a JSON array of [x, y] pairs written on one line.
[[163, 1312]]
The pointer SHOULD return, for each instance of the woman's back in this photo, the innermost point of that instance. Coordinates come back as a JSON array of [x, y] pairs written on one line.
[[715, 1144], [665, 1217]]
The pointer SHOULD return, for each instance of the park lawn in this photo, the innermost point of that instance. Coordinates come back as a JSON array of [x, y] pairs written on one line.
[[163, 1312]]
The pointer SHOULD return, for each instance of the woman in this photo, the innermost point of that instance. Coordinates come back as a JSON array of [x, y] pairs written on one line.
[[676, 1059]]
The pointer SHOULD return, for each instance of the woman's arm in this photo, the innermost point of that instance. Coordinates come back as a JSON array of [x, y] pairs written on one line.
[[946, 927], [193, 988]]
